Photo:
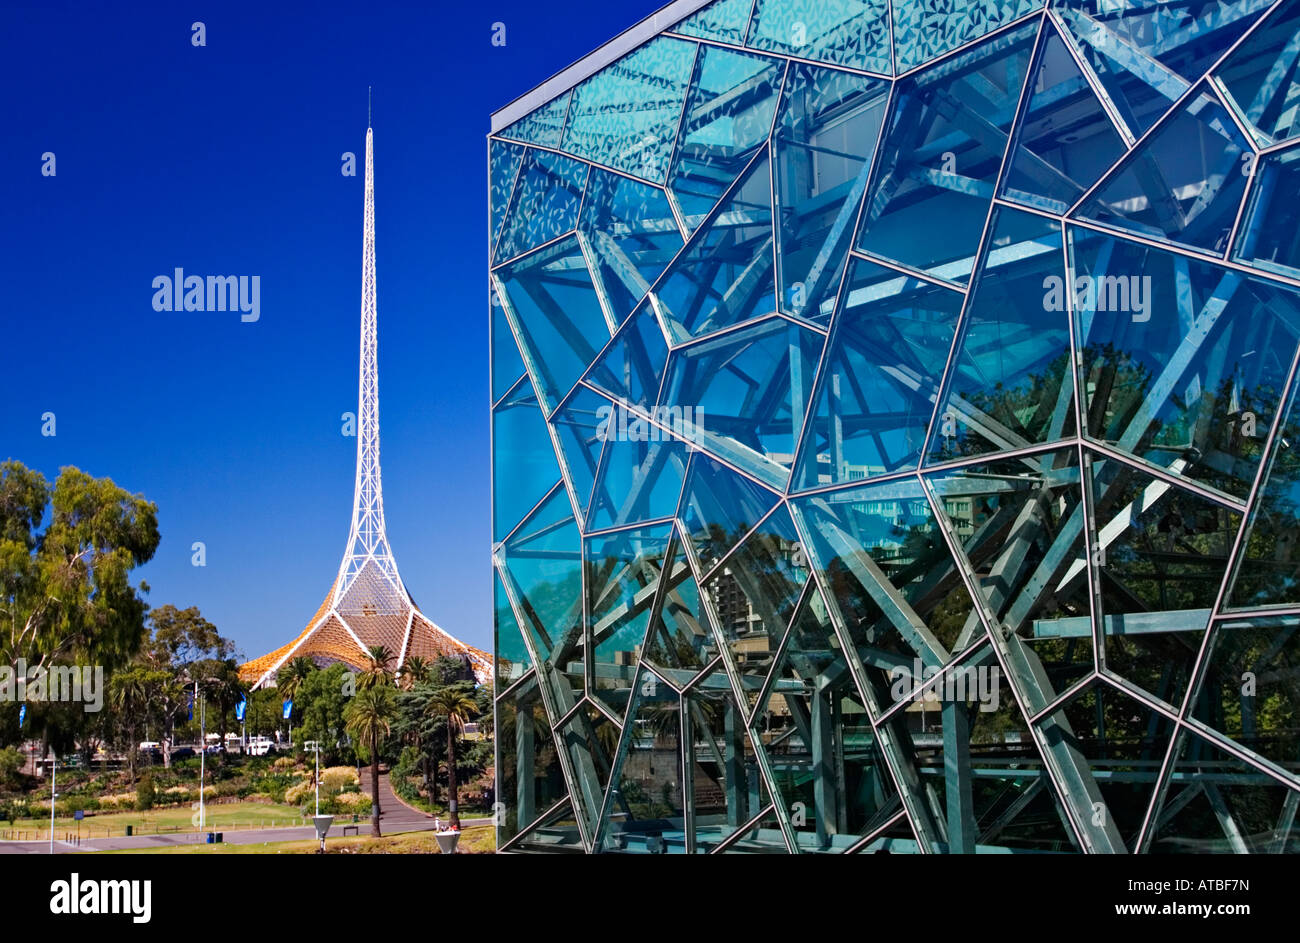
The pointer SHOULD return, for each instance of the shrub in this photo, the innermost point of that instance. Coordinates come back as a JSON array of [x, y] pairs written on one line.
[[295, 795], [11, 761], [338, 778], [144, 794]]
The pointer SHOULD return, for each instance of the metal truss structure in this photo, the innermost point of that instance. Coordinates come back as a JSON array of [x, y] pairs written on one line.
[[368, 603], [893, 417]]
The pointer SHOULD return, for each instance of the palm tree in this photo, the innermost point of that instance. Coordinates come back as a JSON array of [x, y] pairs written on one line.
[[290, 677], [456, 705], [369, 718], [377, 672], [415, 671], [128, 697]]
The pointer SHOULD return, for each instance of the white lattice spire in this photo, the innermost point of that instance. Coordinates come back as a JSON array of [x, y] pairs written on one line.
[[380, 589]]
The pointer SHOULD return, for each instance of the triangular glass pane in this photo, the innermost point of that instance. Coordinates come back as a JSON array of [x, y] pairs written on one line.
[[822, 148], [1066, 141], [728, 116], [631, 368], [545, 203], [1139, 87], [726, 787], [853, 33], [544, 126], [978, 761], [925, 31], [511, 655], [646, 811], [725, 21], [681, 642], [748, 391], [719, 508], [1267, 235], [556, 315], [1010, 384], [1251, 685], [557, 833], [1269, 571], [1020, 524], [724, 276], [578, 432], [1183, 361], [641, 474], [1115, 744], [1216, 804], [541, 565], [875, 393], [529, 777], [1261, 77], [1158, 192], [894, 588], [630, 235], [623, 572], [507, 365], [1161, 556], [753, 596], [591, 740], [504, 160], [625, 116], [523, 461], [940, 157]]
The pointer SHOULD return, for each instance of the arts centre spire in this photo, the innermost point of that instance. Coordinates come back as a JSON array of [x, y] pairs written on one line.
[[368, 603]]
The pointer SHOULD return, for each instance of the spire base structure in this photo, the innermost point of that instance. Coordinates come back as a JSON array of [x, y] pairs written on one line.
[[368, 604]]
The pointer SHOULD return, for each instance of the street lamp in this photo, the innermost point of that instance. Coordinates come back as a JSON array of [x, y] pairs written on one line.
[[54, 762]]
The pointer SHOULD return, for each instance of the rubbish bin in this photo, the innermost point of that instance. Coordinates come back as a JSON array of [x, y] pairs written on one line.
[[219, 837], [129, 830], [210, 838]]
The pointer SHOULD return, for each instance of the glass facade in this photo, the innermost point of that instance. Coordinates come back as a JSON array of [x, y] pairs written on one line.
[[893, 420]]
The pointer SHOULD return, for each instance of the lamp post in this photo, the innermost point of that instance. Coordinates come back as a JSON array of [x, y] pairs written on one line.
[[203, 750], [54, 762]]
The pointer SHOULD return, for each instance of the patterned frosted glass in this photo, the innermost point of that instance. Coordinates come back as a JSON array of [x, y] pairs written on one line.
[[626, 115], [923, 31], [854, 33]]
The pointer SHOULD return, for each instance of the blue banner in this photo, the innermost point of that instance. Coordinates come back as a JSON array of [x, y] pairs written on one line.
[[22, 715], [288, 709], [241, 708], [189, 702]]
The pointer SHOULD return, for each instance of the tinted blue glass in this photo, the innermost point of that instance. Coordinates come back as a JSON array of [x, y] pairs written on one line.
[[1184, 183], [1066, 141], [641, 471], [724, 275], [728, 117], [555, 311], [630, 235], [577, 426], [719, 507], [822, 148], [748, 390], [725, 20], [935, 165], [631, 368], [1269, 237], [504, 159], [1184, 362], [507, 365], [875, 393], [523, 462], [1260, 76], [622, 573], [1010, 385]]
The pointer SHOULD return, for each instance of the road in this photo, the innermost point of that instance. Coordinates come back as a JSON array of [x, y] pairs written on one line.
[[394, 817]]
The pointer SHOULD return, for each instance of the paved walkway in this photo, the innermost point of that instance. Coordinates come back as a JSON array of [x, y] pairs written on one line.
[[394, 817]]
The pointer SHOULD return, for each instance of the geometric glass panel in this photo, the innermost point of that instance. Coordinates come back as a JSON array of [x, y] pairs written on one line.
[[853, 33]]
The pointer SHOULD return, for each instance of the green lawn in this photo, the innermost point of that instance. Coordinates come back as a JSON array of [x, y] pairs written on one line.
[[177, 818], [478, 840]]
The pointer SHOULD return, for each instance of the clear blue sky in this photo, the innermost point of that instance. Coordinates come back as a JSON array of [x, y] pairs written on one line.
[[225, 160]]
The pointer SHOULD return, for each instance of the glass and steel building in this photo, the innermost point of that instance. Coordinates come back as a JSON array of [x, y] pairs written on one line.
[[895, 432]]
